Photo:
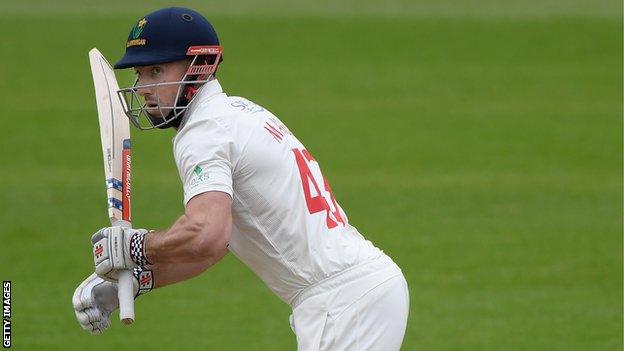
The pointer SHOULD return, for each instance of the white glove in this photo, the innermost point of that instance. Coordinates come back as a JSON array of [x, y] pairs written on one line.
[[116, 248], [95, 299]]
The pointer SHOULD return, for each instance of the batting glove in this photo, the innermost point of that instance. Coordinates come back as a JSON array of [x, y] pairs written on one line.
[[116, 248], [95, 299]]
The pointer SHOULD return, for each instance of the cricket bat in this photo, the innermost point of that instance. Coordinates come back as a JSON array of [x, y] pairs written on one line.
[[116, 149]]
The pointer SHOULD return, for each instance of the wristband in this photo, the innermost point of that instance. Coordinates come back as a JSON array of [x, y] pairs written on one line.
[[145, 278], [137, 248]]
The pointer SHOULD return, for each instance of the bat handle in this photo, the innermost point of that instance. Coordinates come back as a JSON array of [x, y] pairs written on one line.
[[126, 297], [125, 291]]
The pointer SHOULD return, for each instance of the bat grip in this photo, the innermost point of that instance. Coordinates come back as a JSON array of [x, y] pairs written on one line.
[[126, 297], [125, 291]]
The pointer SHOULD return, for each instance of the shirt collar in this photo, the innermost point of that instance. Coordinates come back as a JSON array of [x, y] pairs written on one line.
[[209, 90], [205, 93]]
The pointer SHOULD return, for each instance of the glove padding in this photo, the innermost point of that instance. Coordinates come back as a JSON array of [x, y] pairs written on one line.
[[94, 300], [115, 249]]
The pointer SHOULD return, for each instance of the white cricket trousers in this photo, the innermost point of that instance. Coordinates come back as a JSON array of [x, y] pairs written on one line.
[[363, 308]]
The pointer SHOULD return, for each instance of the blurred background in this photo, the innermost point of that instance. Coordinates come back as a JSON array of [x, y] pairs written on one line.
[[477, 142]]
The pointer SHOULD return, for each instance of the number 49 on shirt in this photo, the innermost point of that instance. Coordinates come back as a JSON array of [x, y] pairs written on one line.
[[321, 200]]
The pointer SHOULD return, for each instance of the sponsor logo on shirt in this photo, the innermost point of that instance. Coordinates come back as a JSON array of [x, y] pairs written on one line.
[[198, 178]]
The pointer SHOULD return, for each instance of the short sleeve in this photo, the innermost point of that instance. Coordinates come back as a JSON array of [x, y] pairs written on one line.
[[203, 154]]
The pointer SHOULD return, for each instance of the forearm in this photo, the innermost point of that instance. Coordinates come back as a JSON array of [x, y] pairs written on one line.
[[187, 241], [171, 273], [181, 253], [196, 241]]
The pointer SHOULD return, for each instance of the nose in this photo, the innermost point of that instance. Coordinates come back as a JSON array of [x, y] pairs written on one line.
[[144, 92], [141, 89]]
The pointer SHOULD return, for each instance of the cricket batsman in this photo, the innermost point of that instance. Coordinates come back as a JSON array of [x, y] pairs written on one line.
[[250, 188]]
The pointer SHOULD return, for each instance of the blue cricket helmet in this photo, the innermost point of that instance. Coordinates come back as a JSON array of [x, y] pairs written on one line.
[[165, 36]]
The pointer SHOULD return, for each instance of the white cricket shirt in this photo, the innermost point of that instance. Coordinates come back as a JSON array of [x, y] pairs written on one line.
[[287, 226]]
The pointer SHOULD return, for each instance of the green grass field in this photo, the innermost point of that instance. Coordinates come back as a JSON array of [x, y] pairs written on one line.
[[479, 143]]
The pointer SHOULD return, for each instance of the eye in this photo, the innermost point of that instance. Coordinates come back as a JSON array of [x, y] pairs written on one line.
[[156, 70]]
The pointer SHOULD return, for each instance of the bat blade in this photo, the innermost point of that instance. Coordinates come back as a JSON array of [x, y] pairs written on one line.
[[115, 137], [116, 151]]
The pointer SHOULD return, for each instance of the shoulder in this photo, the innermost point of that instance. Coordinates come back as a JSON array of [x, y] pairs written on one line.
[[243, 106], [221, 119], [223, 111]]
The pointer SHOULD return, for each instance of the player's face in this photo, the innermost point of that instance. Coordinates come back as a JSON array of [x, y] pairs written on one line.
[[159, 97]]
